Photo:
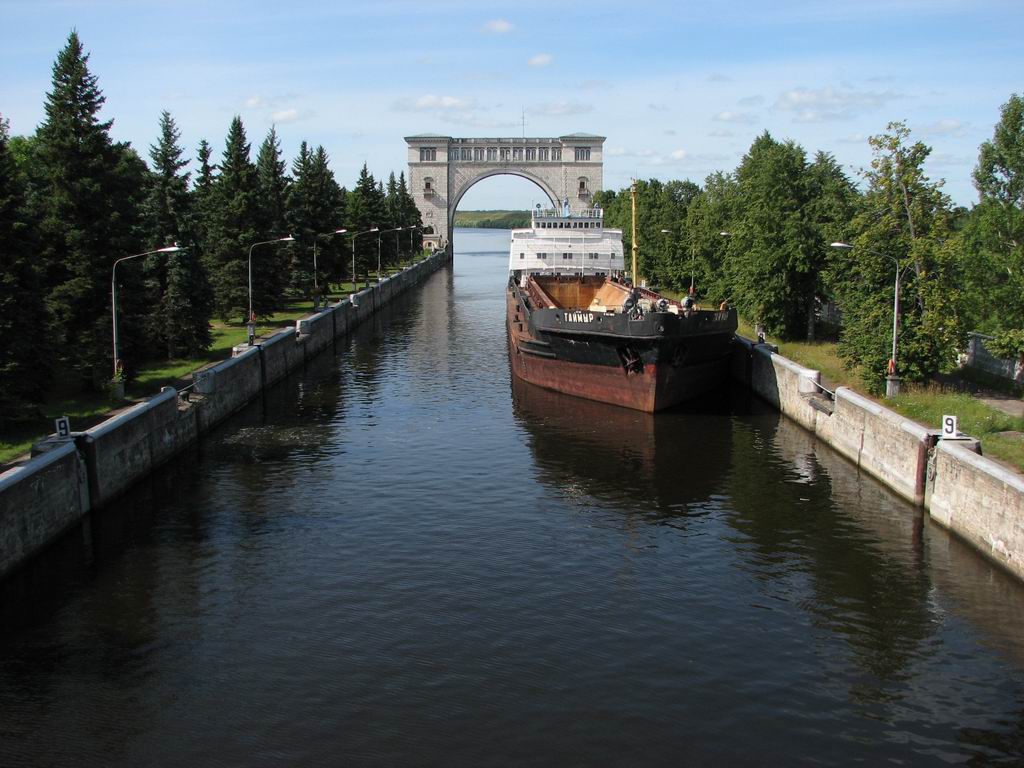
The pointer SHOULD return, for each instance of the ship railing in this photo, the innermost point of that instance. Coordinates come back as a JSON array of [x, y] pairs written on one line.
[[556, 213]]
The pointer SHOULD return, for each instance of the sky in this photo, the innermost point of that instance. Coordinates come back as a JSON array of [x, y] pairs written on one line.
[[680, 89]]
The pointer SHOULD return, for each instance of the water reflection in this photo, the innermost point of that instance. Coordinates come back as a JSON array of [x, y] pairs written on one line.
[[666, 466]]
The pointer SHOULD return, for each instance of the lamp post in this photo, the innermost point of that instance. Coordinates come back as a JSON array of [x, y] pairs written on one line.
[[380, 233], [316, 286], [892, 379], [355, 235], [113, 298], [412, 229], [398, 247], [251, 321]]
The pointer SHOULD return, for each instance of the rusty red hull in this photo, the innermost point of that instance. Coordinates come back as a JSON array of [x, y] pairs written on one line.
[[653, 389]]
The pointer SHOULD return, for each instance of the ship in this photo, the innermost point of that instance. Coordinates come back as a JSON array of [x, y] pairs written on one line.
[[578, 324]]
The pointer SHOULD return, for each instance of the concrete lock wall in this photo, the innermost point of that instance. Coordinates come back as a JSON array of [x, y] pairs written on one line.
[[41, 499], [280, 355], [876, 439], [975, 497], [227, 386], [981, 501]]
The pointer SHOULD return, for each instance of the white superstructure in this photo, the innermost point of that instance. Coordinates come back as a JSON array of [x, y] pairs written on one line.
[[569, 244]]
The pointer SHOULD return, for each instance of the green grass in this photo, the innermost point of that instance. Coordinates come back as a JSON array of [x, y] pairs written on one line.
[[927, 405]]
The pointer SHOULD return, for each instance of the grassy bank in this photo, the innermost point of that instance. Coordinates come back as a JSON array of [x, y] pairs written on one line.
[[86, 409], [492, 219]]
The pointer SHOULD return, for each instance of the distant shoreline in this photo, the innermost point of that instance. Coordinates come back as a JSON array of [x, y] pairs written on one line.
[[492, 219]]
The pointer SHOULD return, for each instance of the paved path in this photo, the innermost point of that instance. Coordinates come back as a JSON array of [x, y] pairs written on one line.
[[1014, 406]]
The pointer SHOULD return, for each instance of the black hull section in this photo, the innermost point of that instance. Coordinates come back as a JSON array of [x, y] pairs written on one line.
[[648, 362]]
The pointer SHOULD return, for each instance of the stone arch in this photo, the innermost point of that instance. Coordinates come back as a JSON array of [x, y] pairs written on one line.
[[443, 168], [466, 185]]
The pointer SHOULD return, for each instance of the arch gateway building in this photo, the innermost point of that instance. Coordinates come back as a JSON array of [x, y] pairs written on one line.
[[442, 169]]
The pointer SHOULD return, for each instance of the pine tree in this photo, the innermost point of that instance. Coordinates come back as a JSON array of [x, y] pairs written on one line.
[[365, 210], [87, 193], [315, 208], [271, 271], [410, 214], [234, 228], [24, 366], [202, 196], [179, 321]]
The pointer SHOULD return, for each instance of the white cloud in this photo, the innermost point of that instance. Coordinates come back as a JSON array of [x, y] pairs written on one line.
[[679, 154], [948, 160], [658, 107], [255, 102], [498, 26], [816, 105], [729, 116], [946, 127], [561, 108], [285, 116], [718, 77], [540, 60], [751, 101], [595, 85], [721, 133], [429, 102]]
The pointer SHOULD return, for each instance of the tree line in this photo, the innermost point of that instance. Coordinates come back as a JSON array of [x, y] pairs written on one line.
[[760, 237], [72, 201]]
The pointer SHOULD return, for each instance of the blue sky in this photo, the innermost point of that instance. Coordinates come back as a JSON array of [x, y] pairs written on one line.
[[679, 88]]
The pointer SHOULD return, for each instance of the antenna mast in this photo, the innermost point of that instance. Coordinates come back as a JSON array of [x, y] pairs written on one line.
[[636, 245]]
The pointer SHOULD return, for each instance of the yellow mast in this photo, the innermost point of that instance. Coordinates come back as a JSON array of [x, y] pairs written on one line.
[[636, 246]]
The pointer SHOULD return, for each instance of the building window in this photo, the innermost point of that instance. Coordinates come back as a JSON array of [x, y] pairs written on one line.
[[543, 153], [582, 153], [566, 257], [428, 187], [556, 153], [531, 153], [517, 154], [428, 154], [466, 154], [478, 154], [522, 255], [542, 255], [492, 153], [505, 154]]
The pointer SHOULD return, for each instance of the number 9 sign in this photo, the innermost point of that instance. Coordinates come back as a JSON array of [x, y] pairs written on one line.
[[949, 427]]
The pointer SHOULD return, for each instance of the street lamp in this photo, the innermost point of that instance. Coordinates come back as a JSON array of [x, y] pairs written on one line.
[[316, 286], [252, 317], [380, 233], [412, 229], [398, 247], [892, 379], [113, 296], [354, 236]]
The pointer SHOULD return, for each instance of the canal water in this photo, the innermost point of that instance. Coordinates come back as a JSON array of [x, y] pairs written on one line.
[[399, 556]]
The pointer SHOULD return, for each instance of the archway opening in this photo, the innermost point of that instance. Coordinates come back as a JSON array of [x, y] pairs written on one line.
[[495, 204]]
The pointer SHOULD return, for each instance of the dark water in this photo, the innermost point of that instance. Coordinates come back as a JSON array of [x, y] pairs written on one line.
[[398, 558]]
